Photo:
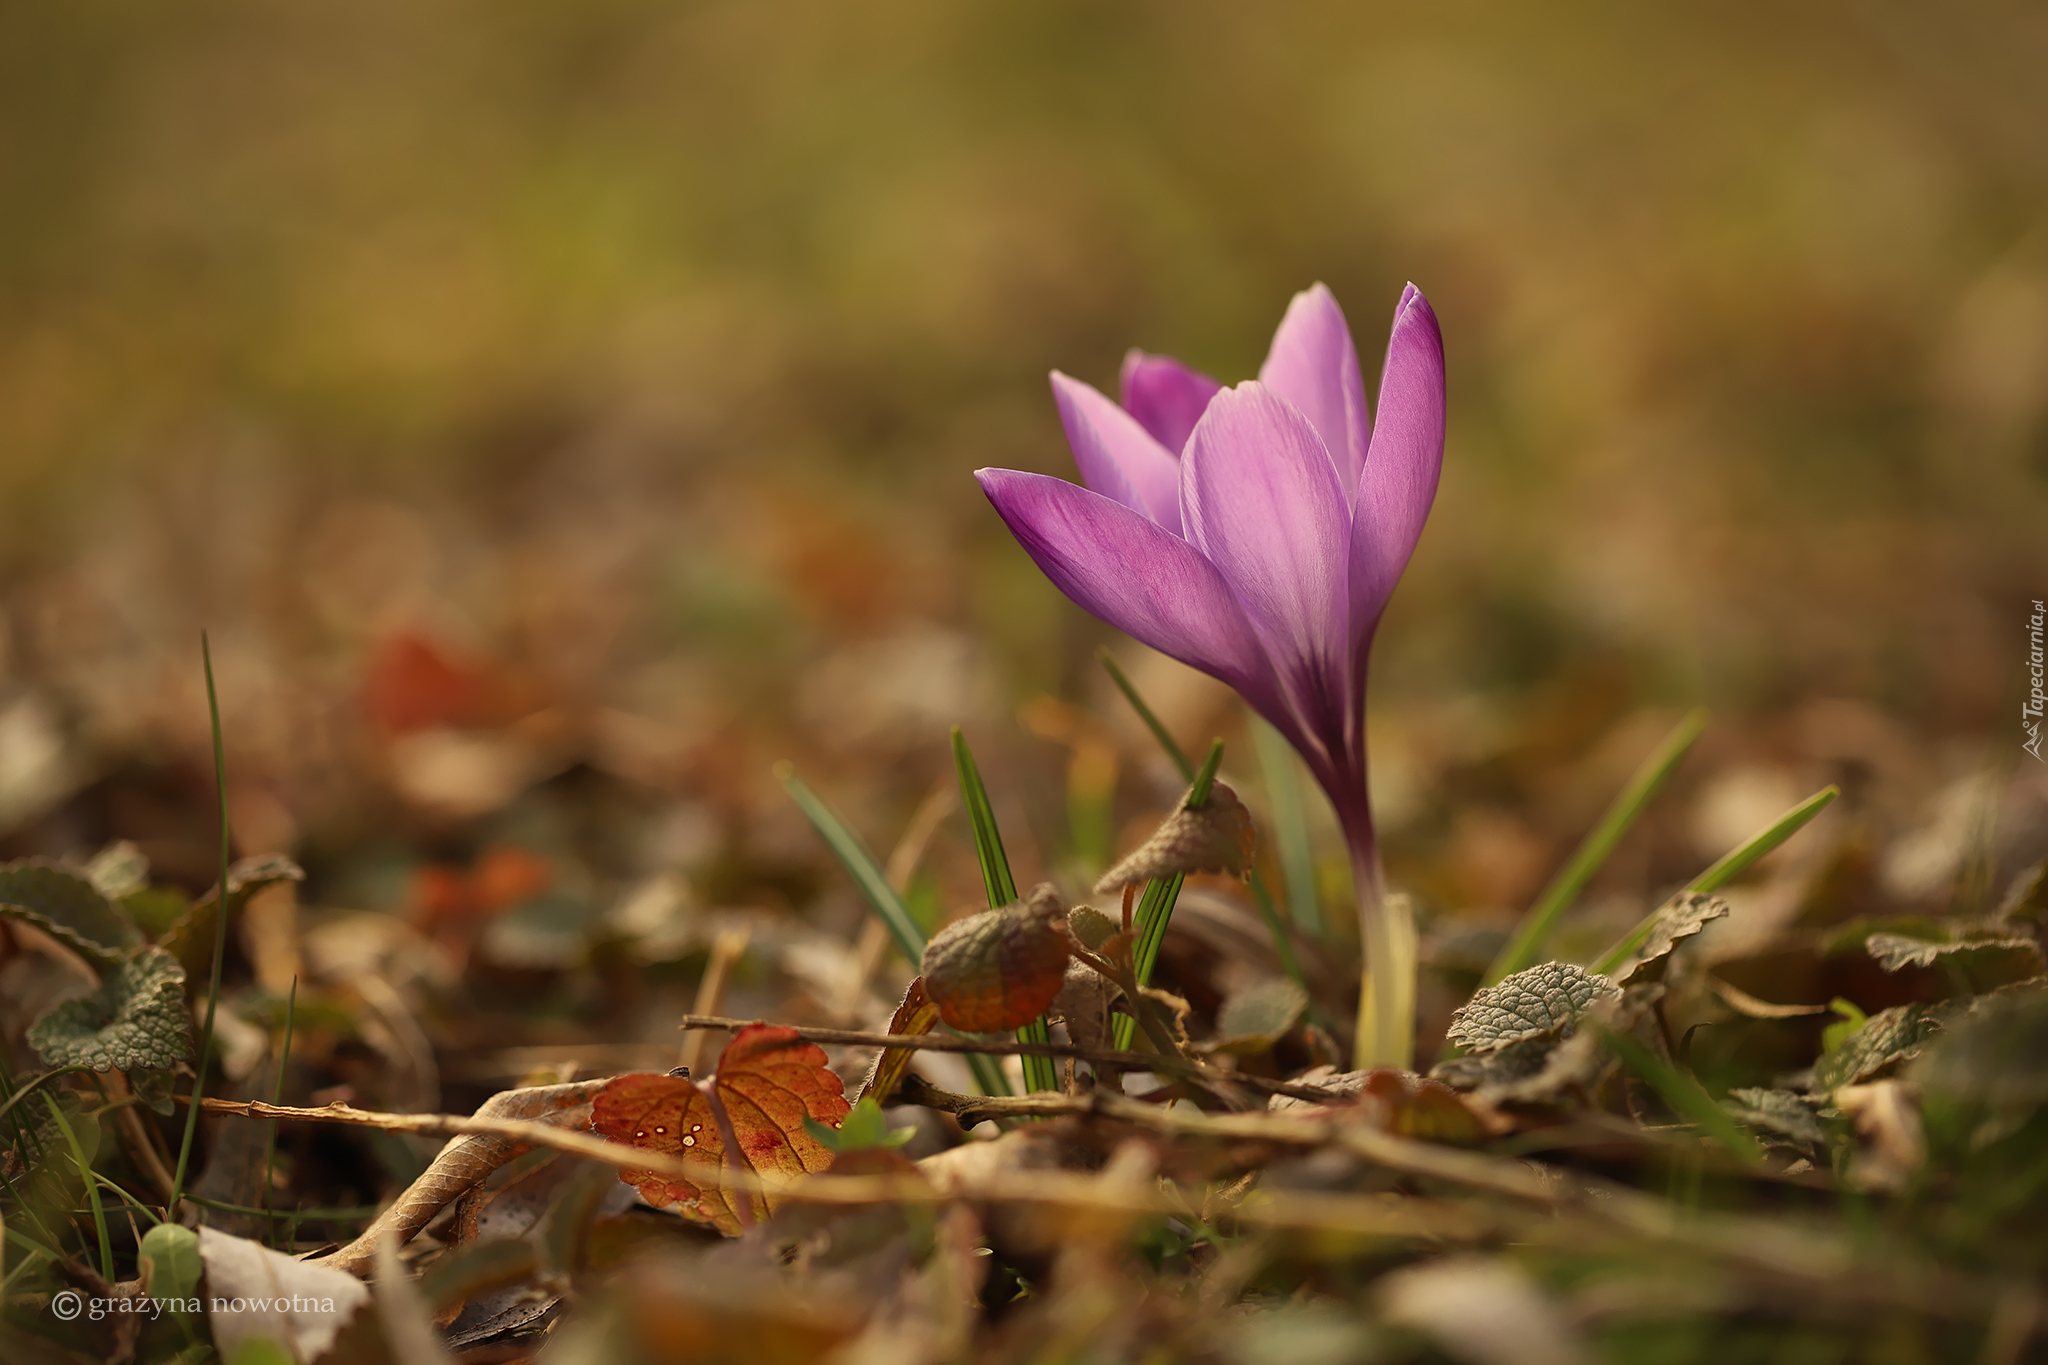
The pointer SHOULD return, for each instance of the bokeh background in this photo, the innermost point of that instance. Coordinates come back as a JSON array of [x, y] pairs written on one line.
[[557, 413]]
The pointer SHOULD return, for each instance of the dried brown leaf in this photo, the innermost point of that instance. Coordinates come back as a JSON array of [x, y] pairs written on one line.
[[916, 1015], [999, 969], [1684, 915], [1216, 838]]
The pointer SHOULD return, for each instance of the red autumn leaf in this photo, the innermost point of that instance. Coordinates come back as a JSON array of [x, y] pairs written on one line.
[[768, 1081]]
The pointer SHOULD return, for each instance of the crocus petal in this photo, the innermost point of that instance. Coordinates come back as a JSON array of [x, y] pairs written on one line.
[[1401, 469], [1314, 366], [1261, 500], [1165, 396], [1118, 458], [1145, 581]]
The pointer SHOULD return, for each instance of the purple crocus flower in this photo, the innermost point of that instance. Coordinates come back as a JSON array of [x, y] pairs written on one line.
[[1256, 533]]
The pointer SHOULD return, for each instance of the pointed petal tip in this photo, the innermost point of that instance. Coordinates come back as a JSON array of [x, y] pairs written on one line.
[[1165, 396]]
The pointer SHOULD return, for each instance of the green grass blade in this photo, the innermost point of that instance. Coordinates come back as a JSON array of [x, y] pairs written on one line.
[[981, 815], [881, 897], [1040, 1073], [1290, 826], [860, 865], [1727, 870], [1526, 946], [1786, 825], [1155, 904], [284, 1056], [1683, 1094], [220, 933], [1152, 723], [1282, 945], [129, 1199], [9, 1235], [92, 1189]]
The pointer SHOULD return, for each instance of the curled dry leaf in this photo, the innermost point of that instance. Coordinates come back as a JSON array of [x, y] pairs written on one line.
[[916, 1015], [466, 1162], [1684, 915], [1216, 838], [999, 969], [768, 1082], [1415, 1106], [1985, 956], [1083, 1002]]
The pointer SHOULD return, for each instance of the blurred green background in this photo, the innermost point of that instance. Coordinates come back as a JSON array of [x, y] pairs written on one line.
[[519, 388]]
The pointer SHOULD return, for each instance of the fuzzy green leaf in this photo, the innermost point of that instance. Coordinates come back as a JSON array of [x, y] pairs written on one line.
[[1987, 957], [135, 1020], [1783, 1112], [120, 869], [1501, 1067], [1889, 1038], [864, 1127], [172, 1252], [1090, 927], [1545, 999], [68, 907]]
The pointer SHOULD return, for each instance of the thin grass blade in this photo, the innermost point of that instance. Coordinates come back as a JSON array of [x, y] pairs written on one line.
[[1145, 713], [873, 883], [1526, 947], [284, 1057], [1040, 1073], [220, 933], [860, 864], [1283, 946], [1728, 869], [1290, 826], [1684, 1095], [92, 1189], [1155, 904]]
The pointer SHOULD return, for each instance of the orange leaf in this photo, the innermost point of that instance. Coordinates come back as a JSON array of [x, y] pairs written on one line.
[[768, 1081]]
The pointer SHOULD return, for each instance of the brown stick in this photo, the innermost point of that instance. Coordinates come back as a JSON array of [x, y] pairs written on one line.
[[725, 950], [1575, 1208], [940, 1042]]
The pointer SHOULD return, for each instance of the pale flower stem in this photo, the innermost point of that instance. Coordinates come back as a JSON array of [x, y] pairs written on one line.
[[1386, 999]]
